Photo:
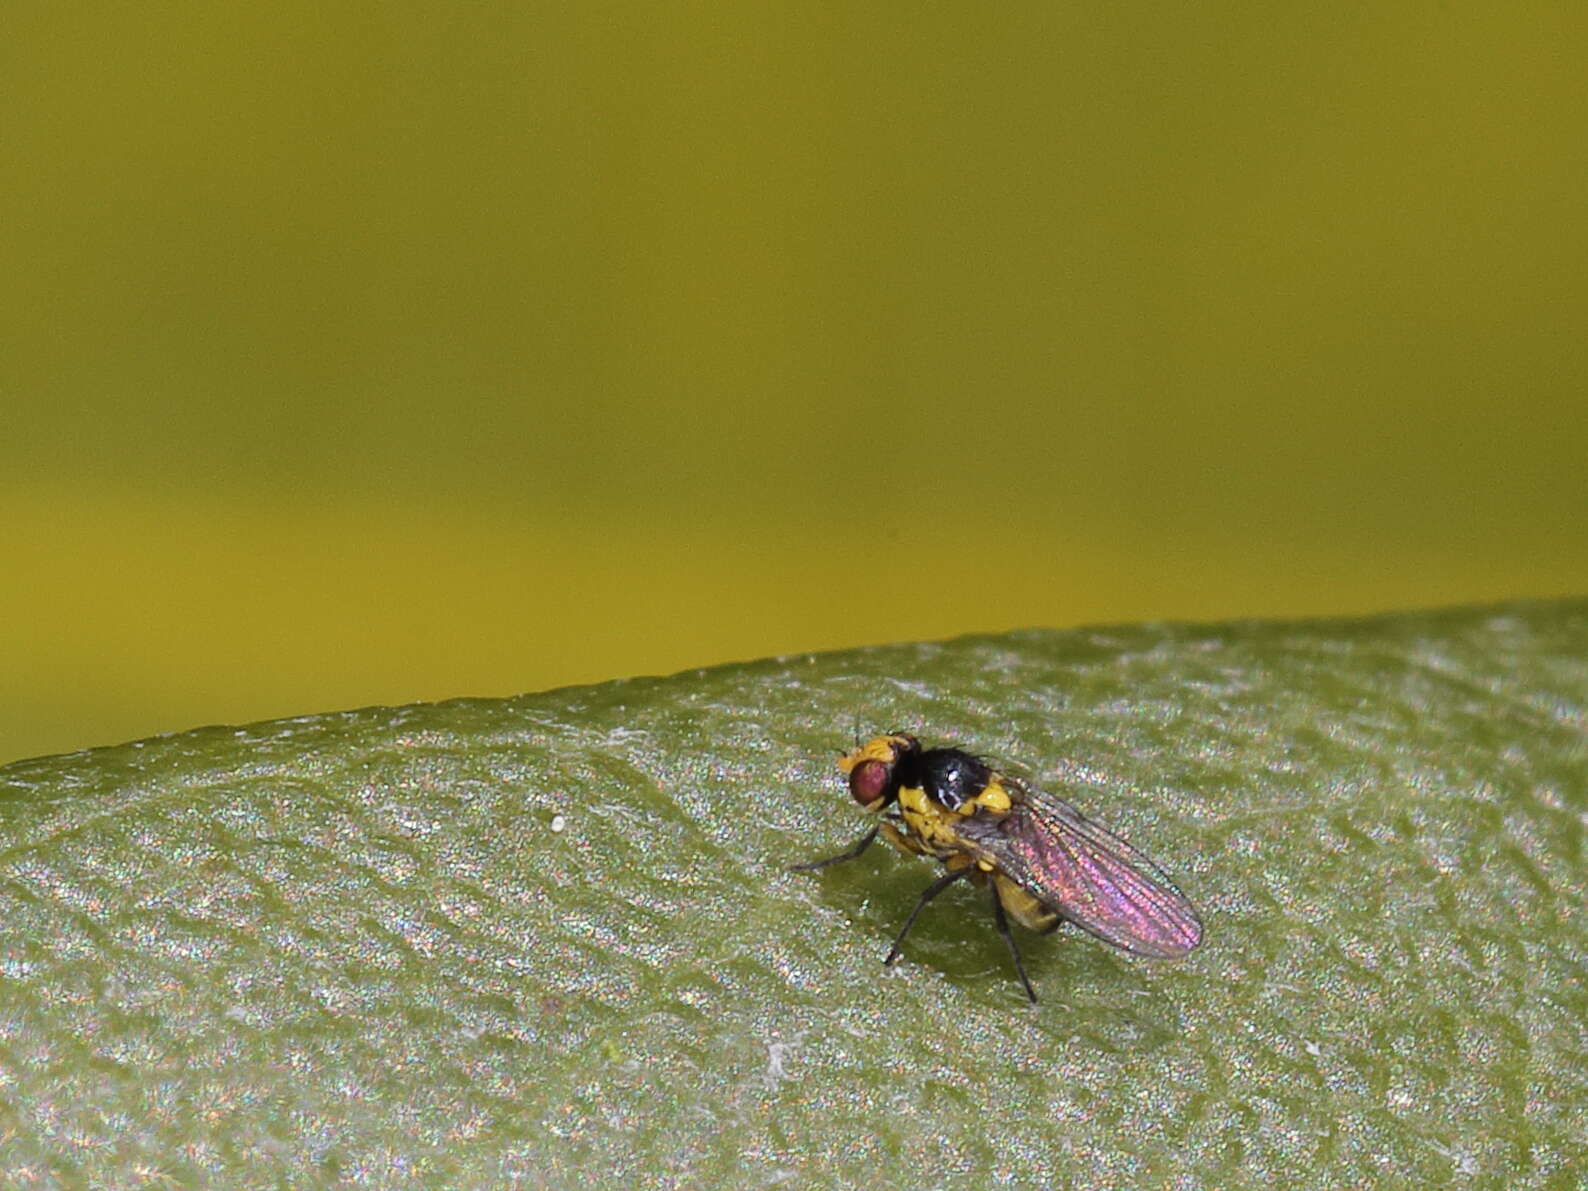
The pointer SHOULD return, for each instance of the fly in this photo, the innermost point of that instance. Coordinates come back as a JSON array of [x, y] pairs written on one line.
[[1044, 862]]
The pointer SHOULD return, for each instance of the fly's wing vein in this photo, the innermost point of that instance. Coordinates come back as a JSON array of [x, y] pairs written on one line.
[[1089, 875]]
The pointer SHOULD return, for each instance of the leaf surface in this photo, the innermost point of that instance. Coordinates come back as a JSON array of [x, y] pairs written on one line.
[[552, 939]]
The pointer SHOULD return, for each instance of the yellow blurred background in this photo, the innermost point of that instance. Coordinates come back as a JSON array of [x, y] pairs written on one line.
[[380, 352]]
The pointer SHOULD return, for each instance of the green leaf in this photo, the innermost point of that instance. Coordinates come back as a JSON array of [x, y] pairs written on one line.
[[553, 940]]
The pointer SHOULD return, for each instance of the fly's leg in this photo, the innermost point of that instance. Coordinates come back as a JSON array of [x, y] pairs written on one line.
[[850, 854], [932, 890], [1003, 928]]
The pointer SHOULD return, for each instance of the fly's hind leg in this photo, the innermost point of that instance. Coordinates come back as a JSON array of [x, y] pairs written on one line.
[[1002, 922]]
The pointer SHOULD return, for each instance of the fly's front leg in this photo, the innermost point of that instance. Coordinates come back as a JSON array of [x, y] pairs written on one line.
[[863, 843]]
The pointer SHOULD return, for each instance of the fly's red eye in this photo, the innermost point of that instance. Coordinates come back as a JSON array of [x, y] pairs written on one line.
[[867, 781]]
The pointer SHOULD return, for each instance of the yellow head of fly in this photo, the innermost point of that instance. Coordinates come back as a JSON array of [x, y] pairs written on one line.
[[871, 769]]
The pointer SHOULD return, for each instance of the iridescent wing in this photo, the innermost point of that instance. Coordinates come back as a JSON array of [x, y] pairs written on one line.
[[1087, 874]]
